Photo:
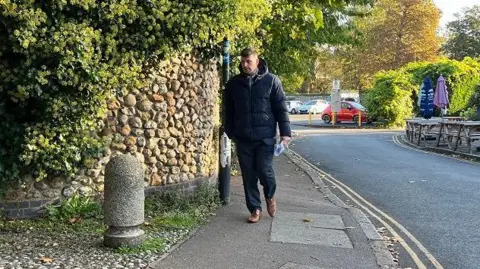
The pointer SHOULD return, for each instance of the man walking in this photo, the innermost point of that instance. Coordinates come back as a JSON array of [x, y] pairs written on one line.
[[254, 105]]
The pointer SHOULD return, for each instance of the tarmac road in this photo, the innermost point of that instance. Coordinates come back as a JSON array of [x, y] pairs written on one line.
[[437, 199]]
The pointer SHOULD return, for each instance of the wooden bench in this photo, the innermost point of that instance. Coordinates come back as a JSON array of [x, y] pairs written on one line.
[[454, 132]]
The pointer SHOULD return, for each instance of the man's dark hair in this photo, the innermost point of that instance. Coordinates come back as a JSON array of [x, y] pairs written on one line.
[[246, 52]]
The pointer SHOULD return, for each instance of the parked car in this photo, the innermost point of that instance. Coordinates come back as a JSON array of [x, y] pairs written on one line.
[[313, 106], [350, 99], [293, 106], [349, 112]]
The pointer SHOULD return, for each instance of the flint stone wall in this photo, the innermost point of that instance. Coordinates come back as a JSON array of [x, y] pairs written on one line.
[[170, 126]]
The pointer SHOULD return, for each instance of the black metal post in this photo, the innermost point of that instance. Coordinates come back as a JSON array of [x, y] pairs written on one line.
[[225, 144]]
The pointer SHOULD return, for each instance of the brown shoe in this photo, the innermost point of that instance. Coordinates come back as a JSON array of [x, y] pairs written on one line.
[[255, 216], [271, 207]]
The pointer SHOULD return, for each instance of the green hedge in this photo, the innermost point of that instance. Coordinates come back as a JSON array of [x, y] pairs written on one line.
[[461, 79], [390, 98], [61, 60], [473, 107], [386, 100]]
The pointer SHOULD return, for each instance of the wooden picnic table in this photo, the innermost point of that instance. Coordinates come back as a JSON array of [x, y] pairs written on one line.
[[452, 133], [450, 130], [454, 118], [421, 128]]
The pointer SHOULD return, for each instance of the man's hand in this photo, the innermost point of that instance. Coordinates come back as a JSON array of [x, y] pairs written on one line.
[[285, 140]]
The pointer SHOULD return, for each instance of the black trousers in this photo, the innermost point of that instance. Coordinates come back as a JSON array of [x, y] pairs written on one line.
[[256, 164]]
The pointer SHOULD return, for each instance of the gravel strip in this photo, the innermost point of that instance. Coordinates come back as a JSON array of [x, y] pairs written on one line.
[[26, 250]]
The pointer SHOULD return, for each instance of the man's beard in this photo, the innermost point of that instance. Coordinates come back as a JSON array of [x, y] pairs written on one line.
[[250, 72]]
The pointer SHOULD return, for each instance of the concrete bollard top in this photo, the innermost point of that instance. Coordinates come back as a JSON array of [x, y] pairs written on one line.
[[124, 164]]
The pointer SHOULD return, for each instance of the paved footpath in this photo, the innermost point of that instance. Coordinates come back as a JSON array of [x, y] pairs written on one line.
[[312, 229]]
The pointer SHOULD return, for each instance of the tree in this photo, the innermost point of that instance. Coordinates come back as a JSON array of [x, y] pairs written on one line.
[[397, 32], [297, 28], [291, 32], [328, 66], [464, 34]]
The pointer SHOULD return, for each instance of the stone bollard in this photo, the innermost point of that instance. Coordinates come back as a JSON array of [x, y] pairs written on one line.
[[124, 202]]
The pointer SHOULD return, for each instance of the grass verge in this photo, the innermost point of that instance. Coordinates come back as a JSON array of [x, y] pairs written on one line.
[[169, 216]]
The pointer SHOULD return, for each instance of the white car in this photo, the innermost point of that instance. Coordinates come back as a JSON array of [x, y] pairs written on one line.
[[293, 106], [313, 107]]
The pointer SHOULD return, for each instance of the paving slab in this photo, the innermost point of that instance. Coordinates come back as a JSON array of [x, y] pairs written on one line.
[[309, 220], [309, 229]]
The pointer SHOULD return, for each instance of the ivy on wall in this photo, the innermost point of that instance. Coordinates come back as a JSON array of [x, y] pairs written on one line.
[[62, 60]]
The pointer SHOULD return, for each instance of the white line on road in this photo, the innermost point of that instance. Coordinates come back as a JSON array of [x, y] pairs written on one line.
[[349, 192]]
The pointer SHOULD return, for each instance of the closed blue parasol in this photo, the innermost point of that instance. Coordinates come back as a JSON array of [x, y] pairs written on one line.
[[426, 99]]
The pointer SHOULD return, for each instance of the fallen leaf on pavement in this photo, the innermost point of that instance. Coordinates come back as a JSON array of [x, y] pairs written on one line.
[[46, 260], [395, 240], [74, 220]]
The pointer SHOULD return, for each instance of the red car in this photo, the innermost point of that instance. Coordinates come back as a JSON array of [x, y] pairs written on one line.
[[349, 112]]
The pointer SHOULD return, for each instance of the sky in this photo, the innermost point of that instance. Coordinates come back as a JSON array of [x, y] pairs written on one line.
[[450, 7]]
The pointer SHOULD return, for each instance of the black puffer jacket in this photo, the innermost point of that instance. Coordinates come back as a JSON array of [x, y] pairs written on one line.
[[254, 105]]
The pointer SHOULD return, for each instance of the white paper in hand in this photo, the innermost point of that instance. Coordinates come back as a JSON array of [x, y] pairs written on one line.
[[279, 148]]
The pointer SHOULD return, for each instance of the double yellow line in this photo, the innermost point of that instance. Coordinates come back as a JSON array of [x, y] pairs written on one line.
[[378, 214]]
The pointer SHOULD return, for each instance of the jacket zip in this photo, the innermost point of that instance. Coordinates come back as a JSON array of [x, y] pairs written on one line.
[[250, 79]]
